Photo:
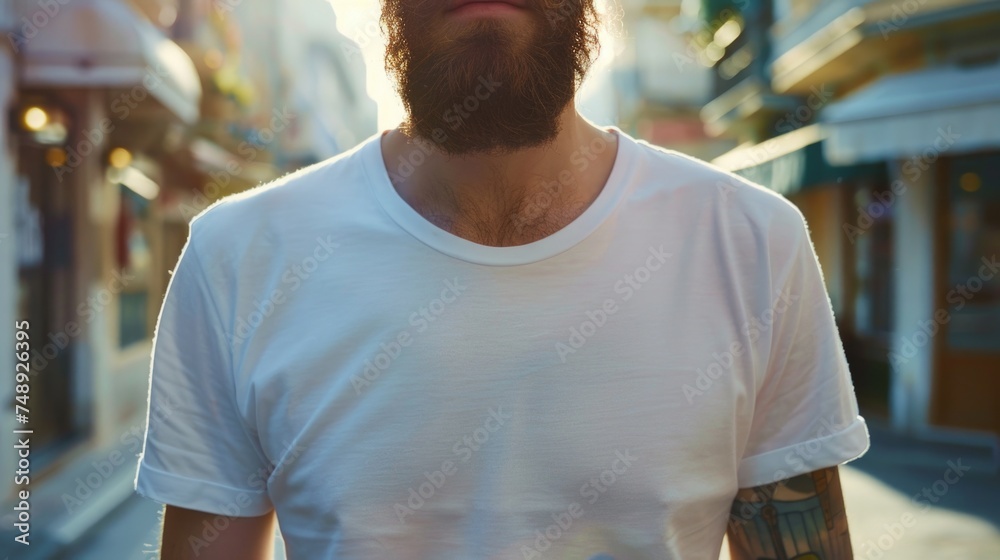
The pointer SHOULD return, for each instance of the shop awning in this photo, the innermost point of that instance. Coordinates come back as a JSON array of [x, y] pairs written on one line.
[[211, 158], [792, 162], [946, 109], [105, 44]]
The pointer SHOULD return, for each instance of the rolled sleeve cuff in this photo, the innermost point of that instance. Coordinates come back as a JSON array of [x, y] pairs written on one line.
[[199, 495], [800, 458]]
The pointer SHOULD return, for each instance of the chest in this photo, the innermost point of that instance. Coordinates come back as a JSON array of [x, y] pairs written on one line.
[[480, 378]]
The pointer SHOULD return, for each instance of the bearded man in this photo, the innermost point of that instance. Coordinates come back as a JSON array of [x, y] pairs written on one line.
[[498, 331]]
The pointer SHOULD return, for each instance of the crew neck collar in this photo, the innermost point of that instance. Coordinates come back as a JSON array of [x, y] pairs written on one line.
[[460, 248]]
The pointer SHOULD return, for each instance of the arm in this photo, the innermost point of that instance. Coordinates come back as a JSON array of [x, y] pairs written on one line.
[[800, 518], [199, 454], [189, 534]]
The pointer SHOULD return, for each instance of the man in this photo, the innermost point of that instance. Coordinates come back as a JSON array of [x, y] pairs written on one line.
[[500, 332]]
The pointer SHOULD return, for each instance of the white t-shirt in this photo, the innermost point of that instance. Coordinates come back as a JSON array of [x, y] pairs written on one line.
[[395, 391]]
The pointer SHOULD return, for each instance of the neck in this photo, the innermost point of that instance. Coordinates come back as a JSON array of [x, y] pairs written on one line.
[[506, 199]]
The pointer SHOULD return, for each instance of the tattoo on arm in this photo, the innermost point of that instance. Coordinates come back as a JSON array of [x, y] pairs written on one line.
[[801, 518]]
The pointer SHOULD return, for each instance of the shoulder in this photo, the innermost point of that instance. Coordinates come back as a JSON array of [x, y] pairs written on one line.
[[267, 210], [734, 202]]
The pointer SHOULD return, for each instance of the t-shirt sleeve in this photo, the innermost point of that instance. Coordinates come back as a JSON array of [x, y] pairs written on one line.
[[197, 453], [805, 414]]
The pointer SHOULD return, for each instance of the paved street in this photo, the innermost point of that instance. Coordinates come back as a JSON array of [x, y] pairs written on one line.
[[963, 524], [130, 533]]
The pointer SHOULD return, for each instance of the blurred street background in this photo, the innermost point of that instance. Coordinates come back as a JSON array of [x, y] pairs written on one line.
[[880, 120]]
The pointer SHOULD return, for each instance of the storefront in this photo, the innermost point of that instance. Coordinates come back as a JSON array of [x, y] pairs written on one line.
[[45, 257], [967, 381], [102, 97], [933, 255]]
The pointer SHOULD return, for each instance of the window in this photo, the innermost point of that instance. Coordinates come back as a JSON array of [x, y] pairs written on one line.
[[134, 261], [973, 290], [873, 306]]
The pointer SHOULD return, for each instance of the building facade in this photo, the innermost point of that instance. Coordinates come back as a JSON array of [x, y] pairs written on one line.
[[122, 120], [663, 77], [885, 130]]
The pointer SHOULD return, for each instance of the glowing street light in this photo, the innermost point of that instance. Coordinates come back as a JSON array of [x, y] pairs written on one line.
[[120, 158], [35, 118]]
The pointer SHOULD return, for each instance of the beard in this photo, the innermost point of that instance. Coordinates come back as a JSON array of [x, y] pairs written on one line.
[[487, 86]]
